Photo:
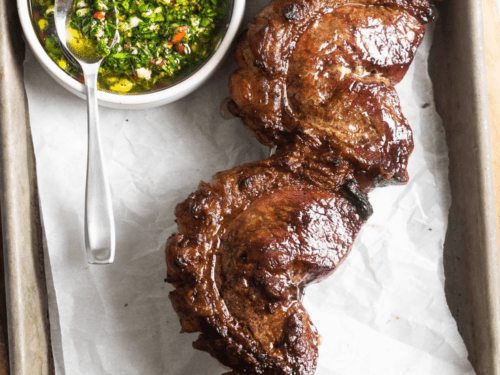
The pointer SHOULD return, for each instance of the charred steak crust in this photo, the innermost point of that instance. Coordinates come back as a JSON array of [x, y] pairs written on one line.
[[316, 79]]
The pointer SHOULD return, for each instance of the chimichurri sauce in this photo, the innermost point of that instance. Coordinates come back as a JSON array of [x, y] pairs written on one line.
[[160, 40]]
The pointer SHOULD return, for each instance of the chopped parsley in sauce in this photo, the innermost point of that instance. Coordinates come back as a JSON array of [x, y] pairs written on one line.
[[159, 39]]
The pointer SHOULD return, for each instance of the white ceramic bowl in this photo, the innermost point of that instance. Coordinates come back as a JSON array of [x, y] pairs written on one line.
[[146, 100]]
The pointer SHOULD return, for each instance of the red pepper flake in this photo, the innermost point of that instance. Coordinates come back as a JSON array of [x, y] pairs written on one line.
[[162, 63], [126, 47], [180, 48], [169, 43], [181, 33], [99, 15], [173, 2], [134, 75], [152, 62]]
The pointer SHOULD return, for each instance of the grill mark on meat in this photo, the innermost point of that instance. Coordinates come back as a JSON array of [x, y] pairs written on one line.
[[291, 12], [358, 199]]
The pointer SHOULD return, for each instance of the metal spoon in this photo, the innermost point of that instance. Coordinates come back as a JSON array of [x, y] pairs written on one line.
[[99, 221]]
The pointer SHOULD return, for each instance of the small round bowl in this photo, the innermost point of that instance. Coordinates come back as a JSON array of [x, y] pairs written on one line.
[[145, 100]]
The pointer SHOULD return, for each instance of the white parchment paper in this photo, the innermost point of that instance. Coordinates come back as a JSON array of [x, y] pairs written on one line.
[[383, 312]]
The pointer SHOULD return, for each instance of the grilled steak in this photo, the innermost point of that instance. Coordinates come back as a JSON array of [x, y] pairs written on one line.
[[316, 80]]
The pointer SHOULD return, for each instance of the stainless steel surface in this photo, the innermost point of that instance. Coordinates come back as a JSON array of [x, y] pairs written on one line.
[[99, 220], [27, 308], [458, 70]]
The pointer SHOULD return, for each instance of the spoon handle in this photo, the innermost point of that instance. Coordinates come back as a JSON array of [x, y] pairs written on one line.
[[99, 221]]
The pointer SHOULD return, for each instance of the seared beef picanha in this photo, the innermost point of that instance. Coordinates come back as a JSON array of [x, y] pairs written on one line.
[[316, 80]]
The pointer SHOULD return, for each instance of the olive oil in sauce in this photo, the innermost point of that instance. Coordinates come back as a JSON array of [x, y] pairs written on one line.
[[161, 41]]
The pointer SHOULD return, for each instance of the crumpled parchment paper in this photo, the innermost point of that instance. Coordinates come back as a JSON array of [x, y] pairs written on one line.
[[383, 312]]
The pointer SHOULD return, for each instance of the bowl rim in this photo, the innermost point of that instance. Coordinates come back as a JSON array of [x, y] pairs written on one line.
[[167, 95]]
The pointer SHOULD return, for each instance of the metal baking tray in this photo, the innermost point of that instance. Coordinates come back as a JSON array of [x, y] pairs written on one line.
[[26, 297], [471, 260]]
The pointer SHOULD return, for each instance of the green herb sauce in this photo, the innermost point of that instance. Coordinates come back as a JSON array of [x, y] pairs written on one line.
[[160, 40]]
